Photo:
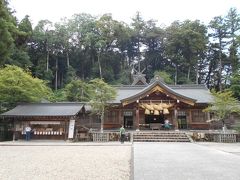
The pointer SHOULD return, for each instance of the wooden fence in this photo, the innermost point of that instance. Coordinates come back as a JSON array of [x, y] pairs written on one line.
[[100, 137], [224, 138], [108, 136], [227, 137]]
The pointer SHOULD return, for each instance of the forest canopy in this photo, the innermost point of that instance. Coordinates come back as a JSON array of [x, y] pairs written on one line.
[[85, 47]]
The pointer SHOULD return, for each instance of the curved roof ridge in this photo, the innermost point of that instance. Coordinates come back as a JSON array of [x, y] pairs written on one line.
[[163, 86], [194, 86]]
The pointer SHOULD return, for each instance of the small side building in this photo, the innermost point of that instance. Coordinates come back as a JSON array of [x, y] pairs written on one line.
[[47, 120]]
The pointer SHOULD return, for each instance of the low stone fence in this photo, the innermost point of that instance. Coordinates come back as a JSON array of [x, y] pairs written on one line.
[[107, 136], [216, 137], [224, 138]]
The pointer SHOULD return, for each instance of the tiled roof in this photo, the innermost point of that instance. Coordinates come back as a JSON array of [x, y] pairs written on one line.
[[198, 92], [45, 109]]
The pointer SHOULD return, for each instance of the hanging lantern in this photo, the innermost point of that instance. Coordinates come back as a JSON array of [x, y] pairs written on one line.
[[156, 112], [165, 111], [147, 111]]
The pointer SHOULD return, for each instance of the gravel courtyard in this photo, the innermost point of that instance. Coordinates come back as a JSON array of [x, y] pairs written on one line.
[[65, 162]]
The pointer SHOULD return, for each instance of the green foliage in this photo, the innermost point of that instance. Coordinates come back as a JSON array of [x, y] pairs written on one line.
[[235, 85], [101, 94], [70, 75], [58, 96], [185, 46], [8, 31], [17, 85], [88, 47], [19, 58], [166, 77], [77, 90], [223, 105]]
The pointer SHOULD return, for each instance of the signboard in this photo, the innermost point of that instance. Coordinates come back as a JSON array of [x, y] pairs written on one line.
[[71, 128]]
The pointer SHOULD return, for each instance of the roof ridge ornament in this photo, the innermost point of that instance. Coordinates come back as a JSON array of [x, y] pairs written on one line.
[[157, 78], [139, 79]]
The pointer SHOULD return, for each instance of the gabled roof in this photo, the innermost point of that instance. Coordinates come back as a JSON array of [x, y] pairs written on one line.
[[45, 109], [159, 86], [196, 92]]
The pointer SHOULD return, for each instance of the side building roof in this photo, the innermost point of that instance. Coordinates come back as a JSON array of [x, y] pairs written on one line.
[[45, 109]]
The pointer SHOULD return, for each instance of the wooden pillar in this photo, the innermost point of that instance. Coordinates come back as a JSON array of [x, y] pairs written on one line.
[[120, 121], [65, 136], [190, 119], [175, 118], [14, 129], [137, 119]]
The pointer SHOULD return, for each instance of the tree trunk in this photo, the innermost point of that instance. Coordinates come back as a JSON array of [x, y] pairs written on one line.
[[99, 65], [188, 75], [102, 120], [197, 74], [47, 60], [223, 126], [68, 60], [56, 75], [220, 66], [176, 74]]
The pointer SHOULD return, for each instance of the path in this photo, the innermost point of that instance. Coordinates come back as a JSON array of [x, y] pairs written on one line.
[[184, 161]]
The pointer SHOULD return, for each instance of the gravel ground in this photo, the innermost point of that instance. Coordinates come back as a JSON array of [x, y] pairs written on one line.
[[65, 162]]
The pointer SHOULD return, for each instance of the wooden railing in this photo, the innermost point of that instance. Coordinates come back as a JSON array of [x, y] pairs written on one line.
[[108, 136], [224, 138], [216, 137], [100, 137]]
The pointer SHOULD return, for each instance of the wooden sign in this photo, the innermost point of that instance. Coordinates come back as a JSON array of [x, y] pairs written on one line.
[[71, 128]]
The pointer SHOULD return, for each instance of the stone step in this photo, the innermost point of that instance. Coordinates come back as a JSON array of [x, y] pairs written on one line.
[[159, 133], [161, 140], [160, 137]]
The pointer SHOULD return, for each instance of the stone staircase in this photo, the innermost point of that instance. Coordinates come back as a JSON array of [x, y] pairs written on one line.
[[160, 136]]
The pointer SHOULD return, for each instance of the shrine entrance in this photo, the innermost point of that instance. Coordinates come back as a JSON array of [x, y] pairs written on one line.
[[151, 118]]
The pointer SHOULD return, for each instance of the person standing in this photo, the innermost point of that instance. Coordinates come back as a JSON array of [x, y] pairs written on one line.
[[122, 134], [28, 132], [166, 124]]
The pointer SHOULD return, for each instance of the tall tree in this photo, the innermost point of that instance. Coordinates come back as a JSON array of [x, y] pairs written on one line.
[[8, 30], [186, 43], [17, 85], [137, 38], [77, 90], [101, 95], [155, 47], [20, 56], [219, 35], [233, 26], [41, 49]]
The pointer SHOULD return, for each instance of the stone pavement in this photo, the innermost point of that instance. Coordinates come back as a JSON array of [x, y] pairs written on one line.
[[155, 161], [52, 160], [186, 161], [61, 143]]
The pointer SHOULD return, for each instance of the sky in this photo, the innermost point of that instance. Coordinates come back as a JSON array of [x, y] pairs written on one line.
[[164, 11]]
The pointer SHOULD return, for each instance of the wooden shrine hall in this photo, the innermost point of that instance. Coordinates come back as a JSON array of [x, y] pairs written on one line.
[[142, 105]]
